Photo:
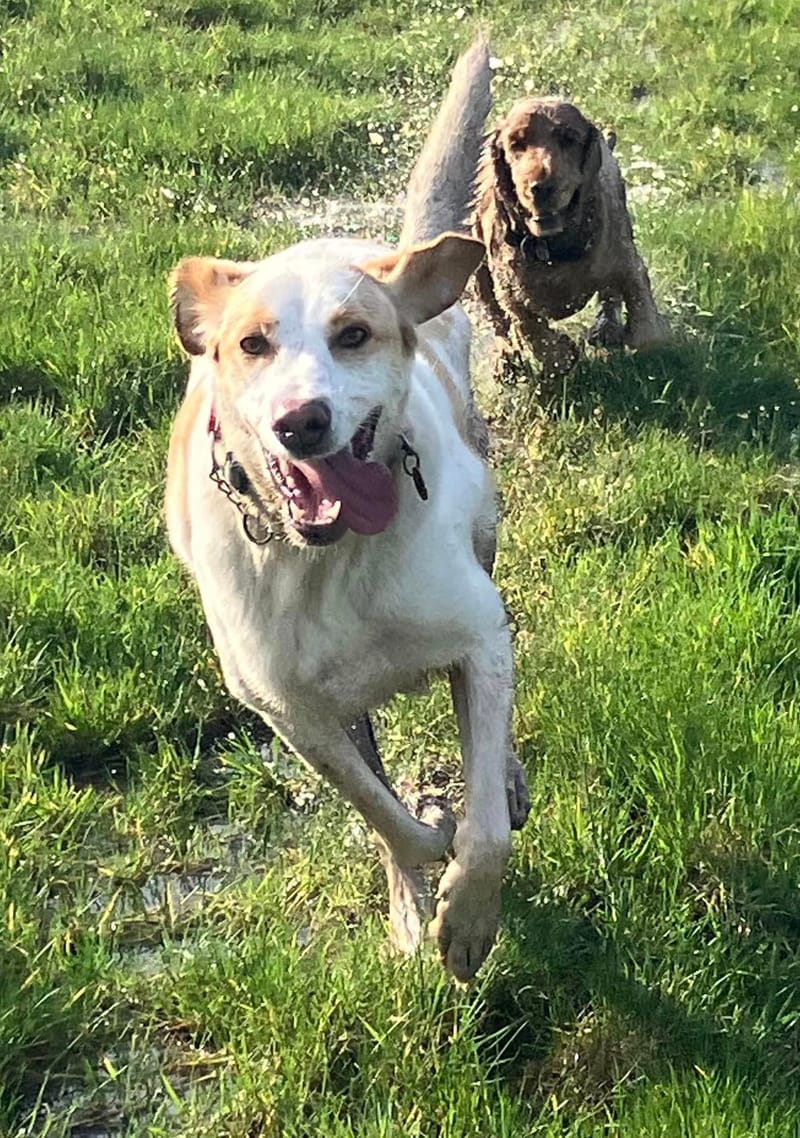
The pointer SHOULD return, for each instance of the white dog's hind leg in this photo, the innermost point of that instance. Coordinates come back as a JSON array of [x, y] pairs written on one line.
[[409, 901], [409, 893], [468, 911], [409, 889]]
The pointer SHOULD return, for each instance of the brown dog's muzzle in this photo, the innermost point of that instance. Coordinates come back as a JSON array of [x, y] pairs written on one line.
[[547, 212], [542, 192]]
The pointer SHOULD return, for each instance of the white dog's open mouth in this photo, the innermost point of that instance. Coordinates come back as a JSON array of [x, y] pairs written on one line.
[[347, 490]]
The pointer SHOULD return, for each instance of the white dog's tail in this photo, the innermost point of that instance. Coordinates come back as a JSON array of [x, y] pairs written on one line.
[[441, 186]]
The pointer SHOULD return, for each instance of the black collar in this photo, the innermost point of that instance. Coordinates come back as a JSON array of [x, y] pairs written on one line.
[[259, 524], [571, 244], [561, 249]]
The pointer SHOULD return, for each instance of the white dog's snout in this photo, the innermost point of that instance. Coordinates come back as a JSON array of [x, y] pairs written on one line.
[[298, 378]]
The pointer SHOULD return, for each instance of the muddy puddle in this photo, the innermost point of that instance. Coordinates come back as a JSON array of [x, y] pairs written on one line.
[[150, 919]]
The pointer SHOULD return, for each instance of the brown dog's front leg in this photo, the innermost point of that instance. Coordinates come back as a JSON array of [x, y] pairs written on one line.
[[503, 369], [555, 350], [485, 289]]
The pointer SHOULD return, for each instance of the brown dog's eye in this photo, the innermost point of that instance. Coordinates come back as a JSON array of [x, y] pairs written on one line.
[[353, 336], [254, 345]]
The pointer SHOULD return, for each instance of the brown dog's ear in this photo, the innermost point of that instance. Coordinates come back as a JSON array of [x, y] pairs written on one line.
[[503, 182], [592, 154], [427, 279], [198, 291]]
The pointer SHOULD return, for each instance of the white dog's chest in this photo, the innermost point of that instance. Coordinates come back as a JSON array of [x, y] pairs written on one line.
[[349, 627], [318, 638]]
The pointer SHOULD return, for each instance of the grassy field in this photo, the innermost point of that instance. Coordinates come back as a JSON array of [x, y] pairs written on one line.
[[191, 931]]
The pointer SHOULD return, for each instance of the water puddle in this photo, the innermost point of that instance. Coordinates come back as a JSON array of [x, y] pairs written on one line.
[[316, 216]]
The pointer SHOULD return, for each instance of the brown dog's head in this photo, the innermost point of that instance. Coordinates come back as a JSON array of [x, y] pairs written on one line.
[[544, 156]]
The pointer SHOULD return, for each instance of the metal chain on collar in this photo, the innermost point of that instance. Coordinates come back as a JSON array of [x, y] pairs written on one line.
[[233, 487], [411, 467], [231, 478]]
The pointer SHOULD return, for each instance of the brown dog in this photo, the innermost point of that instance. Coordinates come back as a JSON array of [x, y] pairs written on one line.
[[551, 211]]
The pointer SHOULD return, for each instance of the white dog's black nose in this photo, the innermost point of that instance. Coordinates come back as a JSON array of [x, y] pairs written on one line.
[[303, 427]]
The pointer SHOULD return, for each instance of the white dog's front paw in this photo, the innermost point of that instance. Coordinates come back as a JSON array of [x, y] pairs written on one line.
[[467, 916]]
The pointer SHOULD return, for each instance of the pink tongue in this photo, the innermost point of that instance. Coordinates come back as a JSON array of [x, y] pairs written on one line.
[[365, 489]]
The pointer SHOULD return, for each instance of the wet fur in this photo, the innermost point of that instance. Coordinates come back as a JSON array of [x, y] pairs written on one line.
[[587, 236]]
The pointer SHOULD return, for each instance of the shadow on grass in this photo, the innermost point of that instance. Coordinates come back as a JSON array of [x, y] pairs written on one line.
[[722, 392], [151, 385], [10, 145], [248, 14], [126, 392], [330, 160], [17, 9], [573, 1022], [90, 760], [29, 382], [204, 14]]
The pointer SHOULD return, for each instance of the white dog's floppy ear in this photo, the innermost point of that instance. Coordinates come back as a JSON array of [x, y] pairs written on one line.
[[198, 291], [426, 279]]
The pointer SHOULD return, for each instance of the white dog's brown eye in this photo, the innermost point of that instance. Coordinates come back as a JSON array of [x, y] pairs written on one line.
[[353, 336], [254, 345]]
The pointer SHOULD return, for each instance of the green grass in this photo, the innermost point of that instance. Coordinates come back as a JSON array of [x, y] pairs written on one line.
[[191, 937]]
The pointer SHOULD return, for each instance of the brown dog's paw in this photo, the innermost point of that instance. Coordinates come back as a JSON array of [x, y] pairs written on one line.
[[607, 331], [519, 800]]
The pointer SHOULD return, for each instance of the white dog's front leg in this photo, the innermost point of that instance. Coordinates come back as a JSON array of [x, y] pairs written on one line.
[[326, 746], [468, 911]]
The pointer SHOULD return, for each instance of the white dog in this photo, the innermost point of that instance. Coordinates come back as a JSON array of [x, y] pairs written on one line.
[[348, 554]]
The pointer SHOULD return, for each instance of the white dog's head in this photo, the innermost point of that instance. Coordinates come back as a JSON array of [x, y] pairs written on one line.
[[310, 354]]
